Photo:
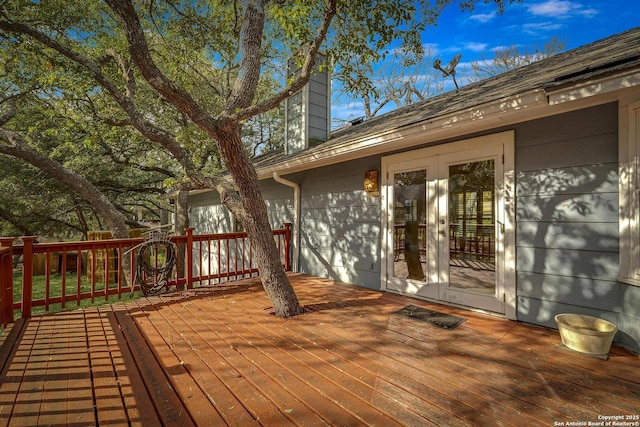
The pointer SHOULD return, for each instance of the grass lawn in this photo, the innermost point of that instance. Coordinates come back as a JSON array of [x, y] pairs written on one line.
[[71, 289]]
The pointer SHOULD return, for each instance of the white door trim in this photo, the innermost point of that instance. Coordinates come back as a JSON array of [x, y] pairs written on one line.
[[507, 257]]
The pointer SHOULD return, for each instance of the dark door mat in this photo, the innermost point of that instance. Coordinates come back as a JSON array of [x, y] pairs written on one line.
[[435, 318]]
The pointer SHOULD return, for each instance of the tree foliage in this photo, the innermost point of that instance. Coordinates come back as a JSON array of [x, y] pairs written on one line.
[[187, 76]]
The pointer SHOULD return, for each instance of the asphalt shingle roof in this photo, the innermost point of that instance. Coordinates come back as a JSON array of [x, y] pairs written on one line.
[[615, 54]]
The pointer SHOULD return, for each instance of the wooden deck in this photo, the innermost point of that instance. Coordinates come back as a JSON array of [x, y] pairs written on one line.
[[216, 356]]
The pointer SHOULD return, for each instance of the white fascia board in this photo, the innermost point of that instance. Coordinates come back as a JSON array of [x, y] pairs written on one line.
[[590, 88], [503, 112]]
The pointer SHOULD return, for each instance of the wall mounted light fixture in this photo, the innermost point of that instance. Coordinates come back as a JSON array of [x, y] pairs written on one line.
[[371, 183]]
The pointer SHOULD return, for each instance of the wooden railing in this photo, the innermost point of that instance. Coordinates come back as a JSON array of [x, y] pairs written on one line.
[[55, 275], [474, 241]]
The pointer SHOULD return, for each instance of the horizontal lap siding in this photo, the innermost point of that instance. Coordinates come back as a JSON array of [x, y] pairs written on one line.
[[207, 215], [340, 227], [567, 216]]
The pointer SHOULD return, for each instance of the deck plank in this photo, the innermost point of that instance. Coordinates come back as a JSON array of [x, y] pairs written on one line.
[[216, 356], [214, 403], [9, 382], [346, 372], [281, 362], [29, 372], [169, 407], [139, 405]]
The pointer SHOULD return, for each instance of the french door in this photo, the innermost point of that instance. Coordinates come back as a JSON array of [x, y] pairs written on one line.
[[413, 265], [471, 216], [445, 226]]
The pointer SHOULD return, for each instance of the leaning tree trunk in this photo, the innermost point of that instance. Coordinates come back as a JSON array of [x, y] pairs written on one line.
[[256, 223], [15, 145]]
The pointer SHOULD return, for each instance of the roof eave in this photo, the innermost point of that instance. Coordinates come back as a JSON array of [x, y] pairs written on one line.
[[530, 105], [594, 87], [497, 113]]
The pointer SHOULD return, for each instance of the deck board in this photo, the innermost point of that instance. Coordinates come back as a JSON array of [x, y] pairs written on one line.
[[216, 356]]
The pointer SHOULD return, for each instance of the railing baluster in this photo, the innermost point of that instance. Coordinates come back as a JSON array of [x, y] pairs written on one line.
[[209, 261], [6, 280], [79, 273], [200, 270], [63, 279], [47, 280], [287, 246], [219, 257], [250, 259], [189, 266], [244, 255], [93, 267], [27, 275]]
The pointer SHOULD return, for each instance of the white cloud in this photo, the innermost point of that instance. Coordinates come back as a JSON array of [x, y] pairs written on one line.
[[475, 46], [541, 27], [560, 9], [483, 18]]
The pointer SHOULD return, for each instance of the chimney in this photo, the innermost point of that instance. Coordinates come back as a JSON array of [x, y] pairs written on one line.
[[307, 113]]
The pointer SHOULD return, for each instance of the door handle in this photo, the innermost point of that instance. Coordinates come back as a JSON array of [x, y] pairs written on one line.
[[444, 233]]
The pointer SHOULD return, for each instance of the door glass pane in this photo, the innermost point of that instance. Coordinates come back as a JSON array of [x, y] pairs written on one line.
[[472, 226], [409, 231]]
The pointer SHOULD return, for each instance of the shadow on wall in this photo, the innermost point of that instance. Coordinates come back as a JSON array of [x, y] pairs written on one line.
[[340, 237], [210, 219], [568, 244]]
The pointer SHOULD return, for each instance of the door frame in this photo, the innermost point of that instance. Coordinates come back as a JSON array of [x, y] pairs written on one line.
[[427, 288], [491, 302], [506, 252]]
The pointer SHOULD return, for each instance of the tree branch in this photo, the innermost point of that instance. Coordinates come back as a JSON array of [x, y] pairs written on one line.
[[16, 221], [125, 69], [145, 127], [302, 78], [11, 110], [244, 88], [141, 56], [16, 146]]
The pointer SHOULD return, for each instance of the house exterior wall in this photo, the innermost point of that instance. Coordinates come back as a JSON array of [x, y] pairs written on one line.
[[207, 215], [340, 223], [567, 236], [567, 217]]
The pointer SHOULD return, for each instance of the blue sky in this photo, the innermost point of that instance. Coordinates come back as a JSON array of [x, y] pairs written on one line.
[[528, 24]]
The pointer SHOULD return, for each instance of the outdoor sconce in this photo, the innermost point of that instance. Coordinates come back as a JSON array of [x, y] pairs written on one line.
[[371, 183]]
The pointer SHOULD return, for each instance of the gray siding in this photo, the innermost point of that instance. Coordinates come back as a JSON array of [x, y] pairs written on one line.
[[567, 220], [295, 132], [207, 215], [307, 112], [340, 228]]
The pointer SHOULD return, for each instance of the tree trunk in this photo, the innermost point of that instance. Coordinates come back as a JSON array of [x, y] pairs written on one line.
[[256, 223], [18, 147]]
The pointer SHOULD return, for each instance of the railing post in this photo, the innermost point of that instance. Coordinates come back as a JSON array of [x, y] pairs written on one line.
[[6, 281], [27, 275], [287, 246], [188, 268]]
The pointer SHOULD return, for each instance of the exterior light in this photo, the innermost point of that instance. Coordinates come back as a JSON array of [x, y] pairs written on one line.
[[371, 183]]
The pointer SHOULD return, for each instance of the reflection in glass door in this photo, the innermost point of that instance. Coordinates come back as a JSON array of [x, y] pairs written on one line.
[[448, 223], [409, 225], [472, 219]]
